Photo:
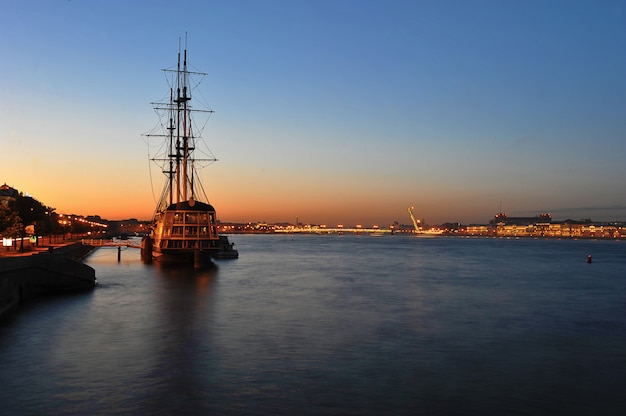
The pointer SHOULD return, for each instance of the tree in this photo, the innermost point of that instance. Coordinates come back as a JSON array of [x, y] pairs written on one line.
[[27, 211], [10, 222]]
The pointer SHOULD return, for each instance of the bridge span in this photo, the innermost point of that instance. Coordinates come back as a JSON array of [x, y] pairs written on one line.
[[102, 242], [375, 231]]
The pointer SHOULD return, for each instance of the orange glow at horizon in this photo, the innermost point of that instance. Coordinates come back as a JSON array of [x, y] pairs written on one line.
[[123, 195]]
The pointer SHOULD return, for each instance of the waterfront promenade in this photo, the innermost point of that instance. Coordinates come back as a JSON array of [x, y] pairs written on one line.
[[29, 246], [40, 269]]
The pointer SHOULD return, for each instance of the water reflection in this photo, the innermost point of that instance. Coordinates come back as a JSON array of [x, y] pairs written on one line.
[[184, 299], [199, 278]]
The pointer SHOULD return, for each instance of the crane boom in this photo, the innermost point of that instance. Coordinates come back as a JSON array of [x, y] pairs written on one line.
[[418, 228]]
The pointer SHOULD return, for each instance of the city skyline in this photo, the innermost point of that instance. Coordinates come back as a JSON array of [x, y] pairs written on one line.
[[331, 112]]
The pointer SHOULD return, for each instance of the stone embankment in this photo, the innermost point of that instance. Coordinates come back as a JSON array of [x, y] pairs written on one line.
[[56, 270]]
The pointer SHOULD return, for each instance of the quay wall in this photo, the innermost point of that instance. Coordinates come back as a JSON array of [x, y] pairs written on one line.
[[56, 271]]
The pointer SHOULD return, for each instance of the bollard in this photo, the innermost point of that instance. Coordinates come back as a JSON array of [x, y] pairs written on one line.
[[589, 258]]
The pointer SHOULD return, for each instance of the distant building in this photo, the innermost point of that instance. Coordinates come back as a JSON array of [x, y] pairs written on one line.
[[543, 226], [7, 194], [503, 219]]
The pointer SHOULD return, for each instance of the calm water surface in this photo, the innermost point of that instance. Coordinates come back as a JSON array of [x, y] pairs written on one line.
[[327, 325]]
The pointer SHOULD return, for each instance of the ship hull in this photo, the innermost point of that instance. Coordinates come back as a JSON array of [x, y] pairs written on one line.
[[185, 233], [197, 258]]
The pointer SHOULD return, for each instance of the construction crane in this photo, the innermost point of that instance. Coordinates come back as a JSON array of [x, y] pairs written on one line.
[[416, 223]]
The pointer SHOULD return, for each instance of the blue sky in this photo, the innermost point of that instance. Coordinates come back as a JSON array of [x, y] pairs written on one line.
[[331, 111]]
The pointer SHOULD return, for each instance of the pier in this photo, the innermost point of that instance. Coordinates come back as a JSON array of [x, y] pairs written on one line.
[[101, 242]]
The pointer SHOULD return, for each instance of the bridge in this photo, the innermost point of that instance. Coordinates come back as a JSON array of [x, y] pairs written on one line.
[[102, 242], [357, 230]]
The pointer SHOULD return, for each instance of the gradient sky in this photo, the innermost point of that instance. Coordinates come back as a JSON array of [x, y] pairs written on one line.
[[329, 111]]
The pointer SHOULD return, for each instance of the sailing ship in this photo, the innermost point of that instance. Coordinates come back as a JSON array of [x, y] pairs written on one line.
[[184, 225]]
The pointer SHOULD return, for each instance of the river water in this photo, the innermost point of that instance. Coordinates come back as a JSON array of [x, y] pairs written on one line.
[[332, 325]]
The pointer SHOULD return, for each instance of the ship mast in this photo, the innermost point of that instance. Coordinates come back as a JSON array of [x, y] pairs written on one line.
[[178, 134], [179, 163], [170, 154], [186, 133], [184, 136]]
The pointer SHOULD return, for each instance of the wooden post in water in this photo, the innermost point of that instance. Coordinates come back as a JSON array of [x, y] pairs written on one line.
[[119, 253], [146, 250]]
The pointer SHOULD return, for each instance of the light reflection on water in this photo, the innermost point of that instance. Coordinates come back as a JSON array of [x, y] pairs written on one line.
[[332, 325]]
